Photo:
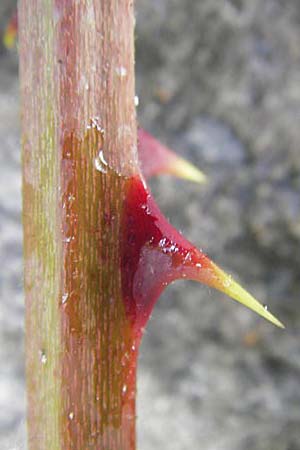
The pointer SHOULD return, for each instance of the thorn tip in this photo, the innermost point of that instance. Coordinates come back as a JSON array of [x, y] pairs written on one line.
[[226, 284], [184, 169]]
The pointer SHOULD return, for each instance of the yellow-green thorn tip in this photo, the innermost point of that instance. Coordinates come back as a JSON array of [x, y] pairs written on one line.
[[184, 169], [10, 34], [231, 288]]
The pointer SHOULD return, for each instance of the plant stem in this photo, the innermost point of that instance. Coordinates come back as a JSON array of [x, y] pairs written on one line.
[[77, 89]]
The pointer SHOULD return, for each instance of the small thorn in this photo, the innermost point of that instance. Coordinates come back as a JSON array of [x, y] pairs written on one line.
[[156, 158], [10, 34]]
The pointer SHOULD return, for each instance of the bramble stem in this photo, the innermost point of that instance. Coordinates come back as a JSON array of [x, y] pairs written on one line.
[[78, 119]]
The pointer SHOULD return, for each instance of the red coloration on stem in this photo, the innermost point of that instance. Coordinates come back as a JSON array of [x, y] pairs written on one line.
[[107, 419], [76, 105]]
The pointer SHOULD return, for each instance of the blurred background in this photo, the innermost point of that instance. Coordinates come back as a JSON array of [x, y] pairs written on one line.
[[219, 81]]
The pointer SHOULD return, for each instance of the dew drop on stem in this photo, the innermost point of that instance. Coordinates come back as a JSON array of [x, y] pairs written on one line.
[[100, 162], [43, 357], [121, 71], [64, 298], [228, 281]]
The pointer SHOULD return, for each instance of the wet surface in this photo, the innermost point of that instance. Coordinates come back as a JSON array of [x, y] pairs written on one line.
[[211, 372]]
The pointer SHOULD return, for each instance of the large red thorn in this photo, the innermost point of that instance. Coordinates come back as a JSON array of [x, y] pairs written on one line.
[[154, 254]]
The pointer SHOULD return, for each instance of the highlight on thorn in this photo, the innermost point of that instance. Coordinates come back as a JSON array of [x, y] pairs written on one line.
[[156, 158]]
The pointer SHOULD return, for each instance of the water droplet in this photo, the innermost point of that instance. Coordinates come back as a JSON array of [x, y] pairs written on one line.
[[100, 163], [188, 257], [95, 123], [64, 298], [71, 415], [136, 100], [124, 389], [199, 265], [266, 307], [162, 242], [146, 208], [101, 156], [43, 357], [121, 71], [227, 282], [124, 359], [68, 239], [173, 248], [86, 86]]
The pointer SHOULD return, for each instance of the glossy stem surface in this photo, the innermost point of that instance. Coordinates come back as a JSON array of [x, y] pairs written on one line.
[[78, 119]]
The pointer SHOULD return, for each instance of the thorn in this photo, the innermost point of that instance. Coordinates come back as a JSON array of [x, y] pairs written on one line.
[[10, 34], [154, 254], [156, 158]]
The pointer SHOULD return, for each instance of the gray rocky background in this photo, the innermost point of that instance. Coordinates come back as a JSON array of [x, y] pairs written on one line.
[[219, 81]]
